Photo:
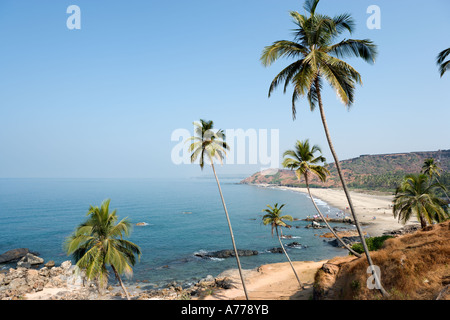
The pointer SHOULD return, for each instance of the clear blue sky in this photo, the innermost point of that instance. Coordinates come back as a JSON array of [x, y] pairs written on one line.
[[103, 101]]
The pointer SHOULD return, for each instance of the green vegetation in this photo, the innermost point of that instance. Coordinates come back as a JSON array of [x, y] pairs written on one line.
[[416, 196], [373, 244], [276, 220], [99, 242]]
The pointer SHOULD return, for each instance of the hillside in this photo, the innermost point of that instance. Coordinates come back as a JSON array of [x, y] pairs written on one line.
[[412, 267], [376, 172]]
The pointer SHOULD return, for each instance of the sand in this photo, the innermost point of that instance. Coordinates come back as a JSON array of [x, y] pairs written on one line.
[[271, 282], [367, 206], [278, 282]]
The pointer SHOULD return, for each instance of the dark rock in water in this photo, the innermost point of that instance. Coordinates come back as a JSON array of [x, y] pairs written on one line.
[[293, 244], [13, 255], [315, 225], [276, 250], [227, 253]]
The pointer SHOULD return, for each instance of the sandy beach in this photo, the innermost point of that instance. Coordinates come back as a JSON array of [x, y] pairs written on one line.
[[374, 212], [271, 282], [278, 282]]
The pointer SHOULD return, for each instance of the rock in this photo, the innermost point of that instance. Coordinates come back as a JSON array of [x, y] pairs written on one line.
[[224, 283], [348, 240], [276, 250], [32, 259], [66, 265], [28, 260], [226, 253], [23, 264], [294, 244], [50, 264], [315, 225], [405, 230], [13, 255]]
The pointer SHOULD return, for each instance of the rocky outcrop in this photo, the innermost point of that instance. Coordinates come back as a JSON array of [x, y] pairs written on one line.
[[29, 260], [17, 282], [276, 250], [315, 225], [347, 240], [226, 253], [13, 255], [405, 230]]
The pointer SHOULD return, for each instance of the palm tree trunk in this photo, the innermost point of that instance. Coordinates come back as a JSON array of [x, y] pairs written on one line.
[[231, 231], [290, 262], [121, 283], [347, 194], [326, 222]]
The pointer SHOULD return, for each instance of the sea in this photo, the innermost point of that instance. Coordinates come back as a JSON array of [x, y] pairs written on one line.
[[181, 218]]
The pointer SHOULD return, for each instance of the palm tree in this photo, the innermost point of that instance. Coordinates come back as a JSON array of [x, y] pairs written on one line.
[[211, 145], [317, 58], [98, 242], [275, 219], [415, 196], [432, 170], [305, 164], [443, 65]]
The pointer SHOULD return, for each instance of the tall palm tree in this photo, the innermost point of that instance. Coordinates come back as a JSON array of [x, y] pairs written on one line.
[[317, 59], [305, 164], [209, 145], [415, 196], [275, 219], [98, 242], [432, 170], [440, 61]]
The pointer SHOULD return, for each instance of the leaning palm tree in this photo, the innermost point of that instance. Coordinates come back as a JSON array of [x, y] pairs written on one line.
[[317, 59], [208, 145], [275, 219], [415, 196], [98, 242], [440, 61], [305, 164], [432, 170]]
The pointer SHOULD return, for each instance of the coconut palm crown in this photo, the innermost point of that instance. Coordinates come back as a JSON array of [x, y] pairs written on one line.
[[415, 196], [303, 161], [99, 242], [440, 61], [318, 57]]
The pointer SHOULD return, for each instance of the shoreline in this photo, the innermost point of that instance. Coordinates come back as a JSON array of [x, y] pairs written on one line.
[[374, 212], [276, 281]]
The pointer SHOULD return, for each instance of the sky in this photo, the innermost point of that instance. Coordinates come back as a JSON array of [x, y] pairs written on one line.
[[105, 100]]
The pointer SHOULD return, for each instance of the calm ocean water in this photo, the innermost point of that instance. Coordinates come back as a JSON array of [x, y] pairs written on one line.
[[183, 216]]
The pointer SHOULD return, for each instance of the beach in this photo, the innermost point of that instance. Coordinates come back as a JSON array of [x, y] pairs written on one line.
[[374, 212], [271, 282], [277, 281]]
